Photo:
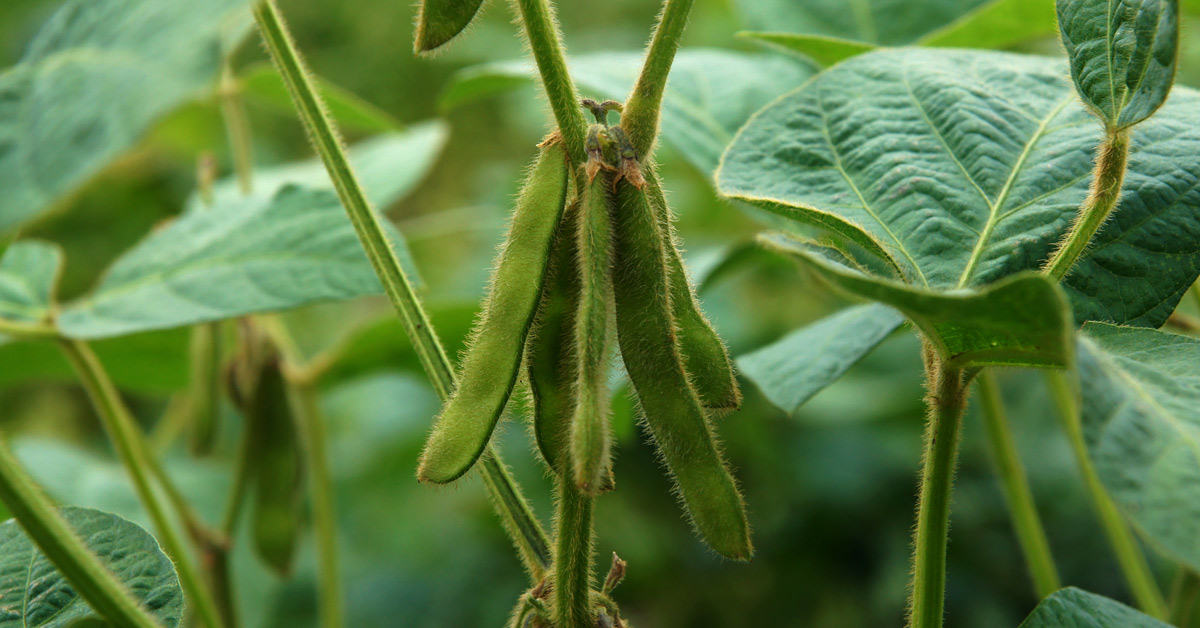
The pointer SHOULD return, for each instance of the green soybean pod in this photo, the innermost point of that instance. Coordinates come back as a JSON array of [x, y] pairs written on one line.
[[549, 354], [704, 354], [677, 419], [439, 21], [590, 436], [275, 469], [493, 357]]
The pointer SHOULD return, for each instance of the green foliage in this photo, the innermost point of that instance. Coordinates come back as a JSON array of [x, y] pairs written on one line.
[[29, 272], [798, 366], [1141, 419], [262, 85], [1073, 608], [92, 82], [961, 168], [34, 593], [879, 22], [1122, 55], [442, 20]]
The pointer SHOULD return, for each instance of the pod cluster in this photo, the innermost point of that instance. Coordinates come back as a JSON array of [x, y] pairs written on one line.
[[589, 270]]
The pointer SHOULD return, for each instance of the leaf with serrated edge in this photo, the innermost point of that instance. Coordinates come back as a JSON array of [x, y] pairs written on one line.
[[965, 167], [1018, 321], [95, 78], [1141, 421], [29, 272], [1122, 54], [34, 593], [806, 361], [1075, 608]]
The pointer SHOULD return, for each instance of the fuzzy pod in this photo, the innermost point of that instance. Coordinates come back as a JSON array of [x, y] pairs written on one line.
[[549, 354], [704, 354], [276, 469], [590, 435], [673, 412], [439, 21], [493, 357]]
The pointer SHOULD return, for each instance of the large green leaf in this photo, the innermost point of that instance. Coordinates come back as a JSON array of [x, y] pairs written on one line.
[[34, 593], [1122, 54], [993, 24], [29, 271], [1141, 418], [963, 167], [94, 79], [806, 361], [710, 95], [1075, 608], [1019, 321]]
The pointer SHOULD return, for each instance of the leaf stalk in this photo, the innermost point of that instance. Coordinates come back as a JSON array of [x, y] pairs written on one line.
[[643, 109], [1112, 156]]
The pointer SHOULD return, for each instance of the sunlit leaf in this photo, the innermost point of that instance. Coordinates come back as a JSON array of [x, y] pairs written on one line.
[[92, 82], [1141, 418], [961, 168], [34, 593], [1074, 608]]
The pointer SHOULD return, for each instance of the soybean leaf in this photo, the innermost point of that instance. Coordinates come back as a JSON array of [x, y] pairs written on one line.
[[442, 20], [29, 272], [1020, 321], [1122, 54], [1075, 608], [994, 24], [34, 593], [960, 168], [95, 78], [710, 94], [808, 360], [1141, 420], [239, 258], [262, 85], [879, 22]]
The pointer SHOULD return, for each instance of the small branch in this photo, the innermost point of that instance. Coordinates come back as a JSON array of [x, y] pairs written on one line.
[[1129, 556], [55, 538], [541, 30], [237, 127], [947, 401], [27, 331], [1021, 507], [642, 110], [1111, 158]]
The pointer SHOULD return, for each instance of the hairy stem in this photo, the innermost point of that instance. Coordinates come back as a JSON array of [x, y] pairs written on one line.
[[131, 447], [65, 550], [642, 110], [1129, 555], [530, 537], [1111, 158], [947, 400], [1026, 522], [544, 41], [573, 558]]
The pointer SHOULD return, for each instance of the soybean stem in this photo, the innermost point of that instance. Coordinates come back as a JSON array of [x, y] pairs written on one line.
[[528, 534], [541, 29], [103, 591], [1129, 556], [237, 127], [131, 447], [573, 558], [27, 331], [1109, 175], [1028, 526], [642, 110], [947, 401]]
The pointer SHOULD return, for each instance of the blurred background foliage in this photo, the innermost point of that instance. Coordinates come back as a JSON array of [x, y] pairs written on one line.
[[831, 489]]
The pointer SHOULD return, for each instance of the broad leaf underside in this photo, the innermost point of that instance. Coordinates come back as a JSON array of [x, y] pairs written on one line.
[[965, 167], [1074, 608]]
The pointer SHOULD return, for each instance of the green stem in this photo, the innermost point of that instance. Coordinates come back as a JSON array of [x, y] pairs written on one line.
[[531, 541], [1129, 556], [947, 401], [642, 110], [55, 538], [134, 453], [27, 331], [1111, 158], [206, 386], [237, 127], [573, 558], [1028, 526], [1184, 598], [544, 41]]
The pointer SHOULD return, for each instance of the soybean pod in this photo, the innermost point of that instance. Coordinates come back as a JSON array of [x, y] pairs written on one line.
[[705, 357], [493, 357], [674, 413], [591, 437], [439, 21], [275, 471]]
